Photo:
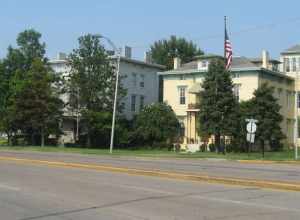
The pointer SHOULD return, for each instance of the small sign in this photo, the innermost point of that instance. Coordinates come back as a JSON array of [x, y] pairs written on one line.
[[251, 127], [251, 120], [251, 137]]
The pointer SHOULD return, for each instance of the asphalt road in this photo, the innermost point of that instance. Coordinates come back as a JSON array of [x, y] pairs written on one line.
[[273, 172], [29, 192]]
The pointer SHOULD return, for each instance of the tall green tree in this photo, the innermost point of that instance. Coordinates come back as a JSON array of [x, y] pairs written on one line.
[[156, 123], [16, 64], [218, 114], [265, 108], [164, 51], [36, 103], [92, 83], [30, 46]]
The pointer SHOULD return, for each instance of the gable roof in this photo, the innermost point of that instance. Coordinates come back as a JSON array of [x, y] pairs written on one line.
[[293, 49], [237, 62], [242, 62]]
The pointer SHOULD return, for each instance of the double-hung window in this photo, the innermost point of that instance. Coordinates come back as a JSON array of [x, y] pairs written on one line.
[[294, 62], [287, 64], [182, 95], [133, 102], [134, 80], [142, 82]]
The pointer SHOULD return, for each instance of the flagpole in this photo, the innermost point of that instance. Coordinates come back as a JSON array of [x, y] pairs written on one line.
[[225, 27]]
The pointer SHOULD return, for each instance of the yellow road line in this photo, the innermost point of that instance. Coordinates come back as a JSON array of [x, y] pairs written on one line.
[[171, 175]]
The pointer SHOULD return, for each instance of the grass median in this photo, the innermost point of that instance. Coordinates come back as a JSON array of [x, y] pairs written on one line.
[[287, 155]]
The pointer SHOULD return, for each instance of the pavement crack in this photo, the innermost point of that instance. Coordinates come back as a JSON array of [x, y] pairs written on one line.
[[110, 205]]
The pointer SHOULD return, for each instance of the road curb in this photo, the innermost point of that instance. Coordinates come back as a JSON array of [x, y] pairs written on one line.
[[268, 162], [164, 174]]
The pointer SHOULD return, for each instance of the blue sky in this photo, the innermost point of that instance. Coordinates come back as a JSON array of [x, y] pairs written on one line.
[[138, 23]]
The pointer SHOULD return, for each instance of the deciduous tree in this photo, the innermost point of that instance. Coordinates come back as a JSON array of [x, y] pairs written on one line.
[[157, 123], [164, 51], [92, 82]]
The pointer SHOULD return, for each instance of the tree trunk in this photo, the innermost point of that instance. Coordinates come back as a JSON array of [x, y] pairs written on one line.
[[262, 144], [32, 139], [217, 141], [42, 137], [9, 140], [88, 139]]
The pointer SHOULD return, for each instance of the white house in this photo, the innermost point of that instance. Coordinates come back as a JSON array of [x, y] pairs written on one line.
[[138, 77]]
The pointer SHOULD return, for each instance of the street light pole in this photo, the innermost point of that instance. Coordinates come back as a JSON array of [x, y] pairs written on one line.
[[115, 102], [118, 53], [296, 131]]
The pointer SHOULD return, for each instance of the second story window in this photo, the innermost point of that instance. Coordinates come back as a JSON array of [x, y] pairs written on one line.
[[134, 75], [133, 101], [287, 64], [294, 64], [142, 82], [182, 95], [236, 75]]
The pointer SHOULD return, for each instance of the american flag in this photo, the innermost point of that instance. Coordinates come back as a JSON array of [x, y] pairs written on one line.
[[228, 51]]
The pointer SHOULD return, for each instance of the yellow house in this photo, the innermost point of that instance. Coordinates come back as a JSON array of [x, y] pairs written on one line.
[[182, 85]]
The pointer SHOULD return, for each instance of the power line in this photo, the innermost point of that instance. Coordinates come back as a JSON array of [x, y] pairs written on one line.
[[236, 33]]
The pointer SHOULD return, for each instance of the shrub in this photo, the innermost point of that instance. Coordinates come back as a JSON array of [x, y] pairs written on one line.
[[212, 147], [203, 147]]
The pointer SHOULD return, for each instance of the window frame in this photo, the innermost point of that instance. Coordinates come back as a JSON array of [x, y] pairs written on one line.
[[182, 95], [294, 64], [133, 103], [142, 82], [287, 64]]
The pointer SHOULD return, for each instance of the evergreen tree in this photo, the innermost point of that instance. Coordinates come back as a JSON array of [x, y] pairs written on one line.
[[218, 114], [36, 103], [266, 110], [15, 67], [92, 83]]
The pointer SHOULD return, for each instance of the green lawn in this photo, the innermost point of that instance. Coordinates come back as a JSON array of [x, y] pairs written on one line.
[[276, 156]]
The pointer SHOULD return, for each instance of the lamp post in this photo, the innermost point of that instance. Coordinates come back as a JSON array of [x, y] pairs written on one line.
[[296, 143], [118, 53]]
